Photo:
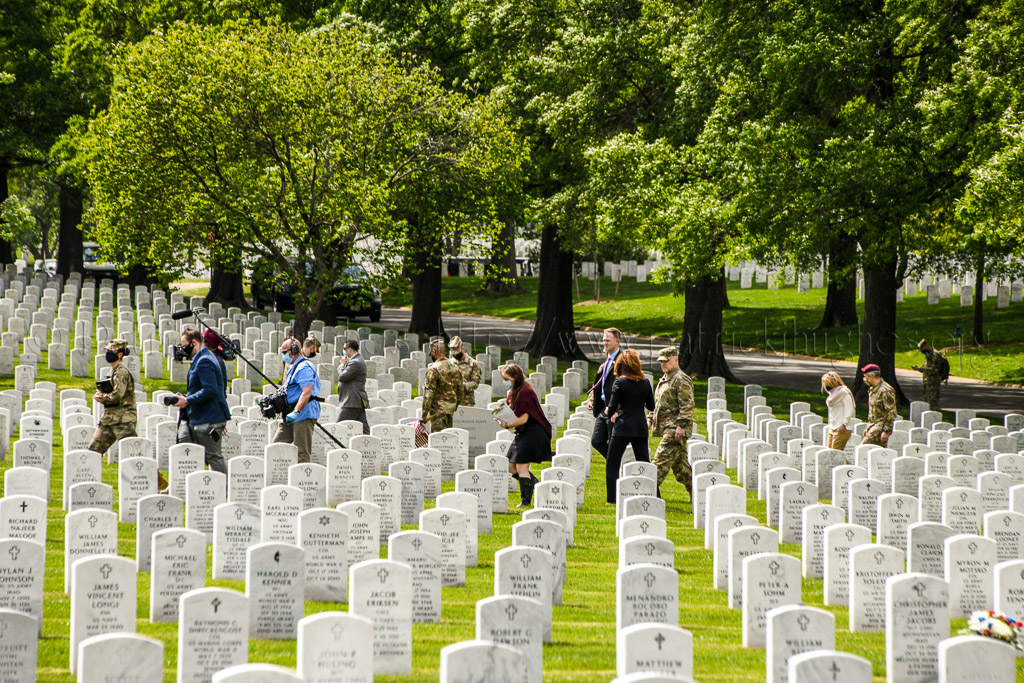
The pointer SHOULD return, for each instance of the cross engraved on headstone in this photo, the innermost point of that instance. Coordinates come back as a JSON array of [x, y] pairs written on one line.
[[122, 655], [659, 639], [849, 535], [138, 466], [383, 575], [284, 495], [824, 514], [920, 589], [206, 480], [359, 512], [835, 670], [417, 543], [525, 561], [215, 603], [14, 552], [963, 497], [444, 520], [879, 557], [560, 476], [738, 523], [92, 521], [649, 579], [803, 621], [538, 532], [800, 490], [649, 548], [636, 485], [973, 547], [511, 611], [645, 506], [337, 631], [383, 486], [644, 526], [25, 505], [188, 452], [774, 568], [105, 570], [277, 556], [868, 486], [755, 538], [308, 471], [180, 541], [161, 504], [476, 479], [82, 458], [899, 503], [247, 464], [239, 514], [1006, 520], [324, 520], [938, 484]]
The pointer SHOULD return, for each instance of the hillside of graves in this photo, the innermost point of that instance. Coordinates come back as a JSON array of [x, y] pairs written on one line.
[[771, 315], [383, 559]]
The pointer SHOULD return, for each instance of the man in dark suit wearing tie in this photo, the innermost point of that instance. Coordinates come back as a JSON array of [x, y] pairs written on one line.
[[602, 391], [352, 386]]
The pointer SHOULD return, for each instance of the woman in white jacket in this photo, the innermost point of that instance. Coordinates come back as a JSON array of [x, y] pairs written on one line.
[[841, 410]]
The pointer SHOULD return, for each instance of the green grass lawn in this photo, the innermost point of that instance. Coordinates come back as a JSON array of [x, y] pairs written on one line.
[[583, 647], [782, 320]]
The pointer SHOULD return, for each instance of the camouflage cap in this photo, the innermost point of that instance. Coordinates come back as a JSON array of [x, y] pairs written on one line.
[[117, 345], [667, 353], [455, 343], [437, 343], [921, 344]]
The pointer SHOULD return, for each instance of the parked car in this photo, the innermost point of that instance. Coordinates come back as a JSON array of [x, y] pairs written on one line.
[[353, 296], [94, 268]]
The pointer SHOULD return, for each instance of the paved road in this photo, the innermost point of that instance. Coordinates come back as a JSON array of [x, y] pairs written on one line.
[[752, 367]]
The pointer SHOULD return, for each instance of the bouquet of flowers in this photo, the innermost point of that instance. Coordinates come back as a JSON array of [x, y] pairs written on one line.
[[998, 626]]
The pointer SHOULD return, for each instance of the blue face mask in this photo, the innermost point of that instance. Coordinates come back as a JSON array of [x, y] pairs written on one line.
[[507, 383], [286, 358]]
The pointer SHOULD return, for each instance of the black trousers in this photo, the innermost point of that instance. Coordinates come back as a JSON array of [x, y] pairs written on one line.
[[613, 461], [602, 434]]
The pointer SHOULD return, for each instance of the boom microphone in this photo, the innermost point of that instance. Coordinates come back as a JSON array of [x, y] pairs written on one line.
[[182, 314]]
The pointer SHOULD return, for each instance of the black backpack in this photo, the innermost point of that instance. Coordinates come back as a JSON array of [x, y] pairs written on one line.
[[944, 369]]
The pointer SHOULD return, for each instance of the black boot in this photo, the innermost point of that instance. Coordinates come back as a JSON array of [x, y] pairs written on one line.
[[533, 478], [525, 492]]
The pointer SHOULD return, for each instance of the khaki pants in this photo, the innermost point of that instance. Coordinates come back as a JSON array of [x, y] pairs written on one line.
[[299, 433], [837, 439]]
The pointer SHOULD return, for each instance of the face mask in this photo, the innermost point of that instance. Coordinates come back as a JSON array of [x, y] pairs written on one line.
[[111, 356], [190, 350], [459, 356], [507, 383], [286, 358]]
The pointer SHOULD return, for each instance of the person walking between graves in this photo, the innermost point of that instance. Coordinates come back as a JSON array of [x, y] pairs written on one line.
[[302, 384], [469, 368], [119, 413], [532, 442], [203, 412], [881, 406], [352, 398], [672, 420], [933, 373], [631, 393], [841, 409], [602, 391], [443, 390]]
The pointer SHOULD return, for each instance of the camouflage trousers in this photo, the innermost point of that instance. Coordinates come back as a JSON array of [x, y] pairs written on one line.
[[106, 436], [441, 421], [872, 435], [931, 394], [671, 454]]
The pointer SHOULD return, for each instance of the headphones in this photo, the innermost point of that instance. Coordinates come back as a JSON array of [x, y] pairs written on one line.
[[294, 349]]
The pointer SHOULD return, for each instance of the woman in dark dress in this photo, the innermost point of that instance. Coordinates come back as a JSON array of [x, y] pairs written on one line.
[[533, 431], [631, 393]]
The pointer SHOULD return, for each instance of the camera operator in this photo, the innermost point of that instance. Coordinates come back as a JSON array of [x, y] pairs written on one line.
[[303, 386], [204, 410], [352, 386]]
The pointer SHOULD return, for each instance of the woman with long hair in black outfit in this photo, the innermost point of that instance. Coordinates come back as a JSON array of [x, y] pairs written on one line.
[[631, 393], [532, 442]]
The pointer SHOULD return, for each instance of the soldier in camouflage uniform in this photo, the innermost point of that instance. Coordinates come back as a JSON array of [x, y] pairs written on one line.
[[931, 373], [672, 420], [119, 415], [469, 368], [881, 407], [442, 389]]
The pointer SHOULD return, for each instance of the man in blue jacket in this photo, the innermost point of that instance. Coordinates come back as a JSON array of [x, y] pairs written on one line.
[[206, 405], [303, 384]]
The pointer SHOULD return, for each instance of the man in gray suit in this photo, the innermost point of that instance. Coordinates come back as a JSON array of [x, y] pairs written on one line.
[[352, 386]]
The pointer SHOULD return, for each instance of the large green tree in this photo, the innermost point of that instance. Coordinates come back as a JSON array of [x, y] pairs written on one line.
[[293, 149]]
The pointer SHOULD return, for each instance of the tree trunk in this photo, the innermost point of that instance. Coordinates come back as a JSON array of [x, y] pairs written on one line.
[[69, 238], [300, 325], [841, 299], [225, 286], [502, 278], [700, 347], [554, 332], [978, 330], [426, 286], [141, 275], [6, 249], [878, 335]]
